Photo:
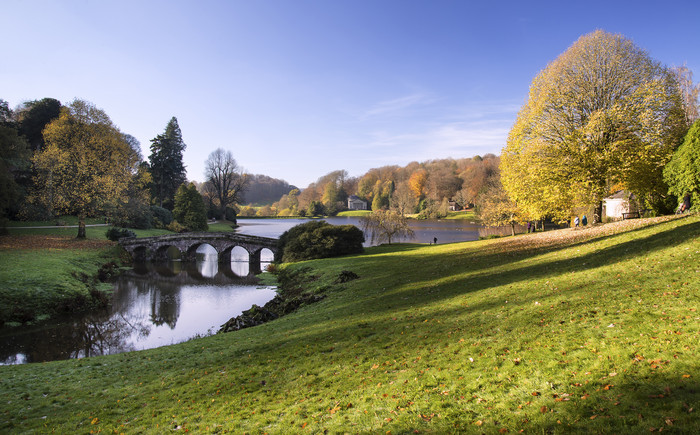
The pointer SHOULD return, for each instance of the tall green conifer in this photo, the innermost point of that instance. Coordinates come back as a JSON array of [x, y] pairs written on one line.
[[167, 169]]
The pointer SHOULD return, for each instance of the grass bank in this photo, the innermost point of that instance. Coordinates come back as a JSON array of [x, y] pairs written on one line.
[[43, 275], [462, 215], [45, 270], [592, 331], [354, 213]]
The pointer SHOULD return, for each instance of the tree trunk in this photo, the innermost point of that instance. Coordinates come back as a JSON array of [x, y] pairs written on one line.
[[512, 228], [598, 212], [81, 227]]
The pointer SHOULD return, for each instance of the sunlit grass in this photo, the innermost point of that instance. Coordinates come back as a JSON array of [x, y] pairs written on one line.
[[354, 213], [592, 332], [462, 215]]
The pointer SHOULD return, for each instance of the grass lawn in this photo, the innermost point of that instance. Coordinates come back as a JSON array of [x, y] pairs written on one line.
[[591, 331], [41, 275], [358, 213], [220, 226], [462, 215]]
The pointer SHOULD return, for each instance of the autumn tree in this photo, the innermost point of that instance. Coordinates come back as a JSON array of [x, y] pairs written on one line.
[[167, 169], [134, 209], [602, 113], [385, 226], [403, 201], [417, 182], [443, 182], [288, 205], [85, 165], [683, 171], [334, 196], [382, 194], [226, 180], [689, 93], [475, 176], [497, 209]]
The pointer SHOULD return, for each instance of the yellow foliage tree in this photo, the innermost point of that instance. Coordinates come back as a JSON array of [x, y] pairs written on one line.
[[417, 182], [86, 164], [602, 113]]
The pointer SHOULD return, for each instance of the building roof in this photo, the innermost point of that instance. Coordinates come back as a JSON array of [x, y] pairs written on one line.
[[620, 194]]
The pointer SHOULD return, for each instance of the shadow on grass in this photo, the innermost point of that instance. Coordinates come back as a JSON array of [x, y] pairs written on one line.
[[477, 281]]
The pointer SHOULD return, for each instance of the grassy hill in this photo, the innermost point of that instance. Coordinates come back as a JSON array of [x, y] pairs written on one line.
[[594, 330]]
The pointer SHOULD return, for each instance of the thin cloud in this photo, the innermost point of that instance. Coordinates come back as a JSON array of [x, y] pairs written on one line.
[[397, 105], [457, 140]]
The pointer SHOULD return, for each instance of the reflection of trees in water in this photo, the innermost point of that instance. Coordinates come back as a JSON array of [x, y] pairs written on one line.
[[91, 335], [156, 300], [165, 307], [107, 337], [148, 295]]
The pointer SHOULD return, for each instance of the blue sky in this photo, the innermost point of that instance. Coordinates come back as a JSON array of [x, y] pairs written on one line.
[[298, 88]]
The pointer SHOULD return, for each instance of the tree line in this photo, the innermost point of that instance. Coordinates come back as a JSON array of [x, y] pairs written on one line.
[[58, 160], [601, 118], [428, 189]]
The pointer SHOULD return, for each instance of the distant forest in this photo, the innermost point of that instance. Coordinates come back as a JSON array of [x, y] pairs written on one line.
[[264, 190]]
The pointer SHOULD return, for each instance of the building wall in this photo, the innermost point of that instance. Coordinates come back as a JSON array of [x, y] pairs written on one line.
[[614, 207]]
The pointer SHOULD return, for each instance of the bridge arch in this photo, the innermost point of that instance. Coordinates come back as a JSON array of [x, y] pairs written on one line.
[[196, 248], [167, 252]]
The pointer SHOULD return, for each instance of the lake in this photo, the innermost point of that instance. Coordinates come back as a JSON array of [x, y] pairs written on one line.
[[161, 304], [153, 305], [445, 230]]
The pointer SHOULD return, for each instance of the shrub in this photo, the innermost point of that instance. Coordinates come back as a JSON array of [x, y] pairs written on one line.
[[115, 233], [319, 239], [176, 227], [161, 216], [135, 214]]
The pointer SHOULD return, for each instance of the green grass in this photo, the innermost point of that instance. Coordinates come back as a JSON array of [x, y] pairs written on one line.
[[462, 215], [220, 226], [37, 283], [544, 333], [358, 213]]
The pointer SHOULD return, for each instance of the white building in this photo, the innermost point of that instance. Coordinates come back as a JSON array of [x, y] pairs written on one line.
[[617, 206], [355, 203]]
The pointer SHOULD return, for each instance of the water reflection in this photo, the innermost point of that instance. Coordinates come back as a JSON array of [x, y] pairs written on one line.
[[445, 230], [152, 305]]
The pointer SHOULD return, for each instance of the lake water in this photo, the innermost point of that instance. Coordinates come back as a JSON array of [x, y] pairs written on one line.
[[445, 230], [157, 305], [152, 306]]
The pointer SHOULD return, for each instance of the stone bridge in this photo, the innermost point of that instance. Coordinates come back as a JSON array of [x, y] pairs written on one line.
[[156, 248]]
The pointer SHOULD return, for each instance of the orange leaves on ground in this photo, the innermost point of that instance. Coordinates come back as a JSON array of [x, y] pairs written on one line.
[[50, 242]]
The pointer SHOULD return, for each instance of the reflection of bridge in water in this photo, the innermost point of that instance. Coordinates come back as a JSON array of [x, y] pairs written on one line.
[[235, 272], [157, 248]]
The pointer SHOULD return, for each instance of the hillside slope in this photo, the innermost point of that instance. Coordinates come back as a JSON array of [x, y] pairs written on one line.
[[592, 330]]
